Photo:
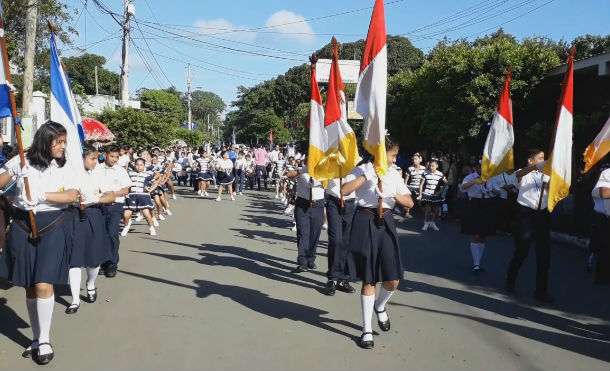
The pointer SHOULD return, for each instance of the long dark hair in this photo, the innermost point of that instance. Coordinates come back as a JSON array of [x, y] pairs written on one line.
[[88, 149], [40, 154], [368, 157]]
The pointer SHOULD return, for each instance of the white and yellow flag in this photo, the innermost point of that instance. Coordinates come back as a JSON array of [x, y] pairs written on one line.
[[317, 140], [559, 163], [598, 148], [372, 88]]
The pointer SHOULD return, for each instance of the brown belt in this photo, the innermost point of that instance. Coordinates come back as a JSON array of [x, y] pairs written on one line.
[[47, 228], [374, 211]]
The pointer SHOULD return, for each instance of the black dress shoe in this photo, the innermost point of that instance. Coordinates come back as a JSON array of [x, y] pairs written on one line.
[[329, 290], [110, 273], [28, 352], [302, 268], [43, 359], [92, 295], [510, 288], [344, 286], [366, 344], [544, 297], [312, 265], [73, 308], [383, 325]]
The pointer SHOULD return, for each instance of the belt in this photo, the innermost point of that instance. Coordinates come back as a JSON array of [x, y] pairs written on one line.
[[338, 200], [44, 230], [311, 203], [379, 222]]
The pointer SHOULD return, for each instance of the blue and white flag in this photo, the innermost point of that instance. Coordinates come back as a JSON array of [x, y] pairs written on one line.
[[65, 111], [5, 99]]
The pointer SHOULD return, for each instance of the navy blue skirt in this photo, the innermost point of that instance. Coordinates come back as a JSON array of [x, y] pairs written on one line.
[[207, 176], [224, 178], [478, 217], [91, 243], [374, 252], [47, 261], [138, 201]]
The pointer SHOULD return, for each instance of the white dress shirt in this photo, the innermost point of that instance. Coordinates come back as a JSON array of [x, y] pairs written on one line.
[[90, 187], [333, 189], [499, 181], [530, 187], [305, 182], [112, 179], [602, 206], [477, 190], [392, 185]]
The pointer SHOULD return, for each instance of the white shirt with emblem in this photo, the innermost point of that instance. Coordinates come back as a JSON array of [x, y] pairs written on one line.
[[392, 185], [602, 206], [530, 187], [305, 182], [112, 178], [333, 189]]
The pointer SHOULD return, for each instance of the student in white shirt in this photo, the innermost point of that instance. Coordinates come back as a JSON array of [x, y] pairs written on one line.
[[600, 235], [225, 177], [533, 226], [240, 172], [373, 240], [505, 198], [39, 265]]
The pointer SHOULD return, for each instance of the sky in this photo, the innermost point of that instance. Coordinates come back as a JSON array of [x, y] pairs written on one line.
[[244, 42]]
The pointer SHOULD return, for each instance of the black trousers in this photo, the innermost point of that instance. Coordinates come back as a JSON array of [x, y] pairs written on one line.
[[600, 243], [339, 228], [309, 226], [114, 214], [532, 225], [261, 173]]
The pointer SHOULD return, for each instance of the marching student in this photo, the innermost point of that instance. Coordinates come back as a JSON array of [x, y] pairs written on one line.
[[91, 240], [478, 219], [204, 176], [413, 178], [113, 178], [373, 240], [533, 225], [279, 165], [430, 190], [38, 265], [505, 199], [225, 177], [250, 172], [308, 214], [340, 212], [142, 183], [240, 172], [600, 238]]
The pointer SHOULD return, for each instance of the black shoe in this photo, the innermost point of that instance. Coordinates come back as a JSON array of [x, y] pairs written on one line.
[[383, 325], [312, 265], [43, 359], [366, 344], [510, 288], [110, 272], [544, 297], [477, 269], [29, 352], [73, 308], [302, 268], [92, 295], [329, 290], [344, 286]]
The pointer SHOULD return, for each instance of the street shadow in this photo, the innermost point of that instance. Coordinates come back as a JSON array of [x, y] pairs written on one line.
[[10, 323], [269, 237], [262, 303]]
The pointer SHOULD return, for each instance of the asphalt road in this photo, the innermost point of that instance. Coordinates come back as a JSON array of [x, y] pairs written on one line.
[[216, 289]]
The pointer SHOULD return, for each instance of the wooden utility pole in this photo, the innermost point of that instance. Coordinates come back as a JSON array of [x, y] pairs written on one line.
[[29, 54], [189, 97], [97, 91], [129, 12]]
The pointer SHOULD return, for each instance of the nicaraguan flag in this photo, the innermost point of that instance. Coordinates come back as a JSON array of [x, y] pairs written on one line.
[[65, 111], [5, 99]]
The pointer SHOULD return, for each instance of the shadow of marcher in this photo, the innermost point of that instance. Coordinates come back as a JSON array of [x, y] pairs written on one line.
[[10, 323]]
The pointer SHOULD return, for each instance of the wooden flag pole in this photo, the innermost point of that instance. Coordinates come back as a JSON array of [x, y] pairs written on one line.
[[17, 125]]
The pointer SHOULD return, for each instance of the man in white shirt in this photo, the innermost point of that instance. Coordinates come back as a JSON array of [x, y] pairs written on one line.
[[116, 180], [600, 236], [274, 155]]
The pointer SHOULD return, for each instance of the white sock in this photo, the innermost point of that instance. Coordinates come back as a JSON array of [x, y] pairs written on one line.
[[480, 251], [33, 314], [91, 276], [75, 277], [382, 300], [45, 315], [367, 302], [474, 250]]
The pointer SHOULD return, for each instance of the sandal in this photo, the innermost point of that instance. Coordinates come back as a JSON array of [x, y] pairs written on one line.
[[30, 350]]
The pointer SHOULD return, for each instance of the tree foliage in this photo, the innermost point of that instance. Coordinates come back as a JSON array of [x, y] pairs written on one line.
[[167, 105], [204, 104], [138, 128], [81, 70]]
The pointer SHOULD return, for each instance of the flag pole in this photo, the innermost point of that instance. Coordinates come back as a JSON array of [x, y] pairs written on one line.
[[17, 125], [335, 44]]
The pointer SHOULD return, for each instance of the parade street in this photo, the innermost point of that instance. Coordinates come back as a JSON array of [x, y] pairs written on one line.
[[217, 289]]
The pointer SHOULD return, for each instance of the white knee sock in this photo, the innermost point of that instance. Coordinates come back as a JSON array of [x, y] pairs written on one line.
[[33, 314], [91, 276], [480, 251], [474, 250], [367, 302], [382, 300], [75, 277], [45, 315]]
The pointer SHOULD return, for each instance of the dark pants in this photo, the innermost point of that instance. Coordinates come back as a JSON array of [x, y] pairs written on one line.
[[240, 177], [309, 226], [600, 243], [261, 173], [114, 214], [339, 228], [533, 225]]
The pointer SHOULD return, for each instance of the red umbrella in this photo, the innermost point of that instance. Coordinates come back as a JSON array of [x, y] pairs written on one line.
[[95, 130]]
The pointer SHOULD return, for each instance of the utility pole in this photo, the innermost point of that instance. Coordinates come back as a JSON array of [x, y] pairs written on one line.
[[130, 11], [96, 84], [208, 119], [30, 52], [189, 97]]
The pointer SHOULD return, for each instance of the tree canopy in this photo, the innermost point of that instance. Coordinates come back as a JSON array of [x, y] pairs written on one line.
[[81, 70]]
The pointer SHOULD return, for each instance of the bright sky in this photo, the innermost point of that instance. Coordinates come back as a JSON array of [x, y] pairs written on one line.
[[243, 42]]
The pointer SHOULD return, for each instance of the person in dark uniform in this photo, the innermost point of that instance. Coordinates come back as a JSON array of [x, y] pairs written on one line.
[[38, 265], [533, 225], [308, 214], [374, 242], [340, 212], [600, 235]]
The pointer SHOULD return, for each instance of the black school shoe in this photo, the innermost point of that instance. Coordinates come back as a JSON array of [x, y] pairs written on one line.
[[344, 286], [383, 325], [366, 344], [302, 268], [329, 290], [29, 352], [43, 359], [312, 265]]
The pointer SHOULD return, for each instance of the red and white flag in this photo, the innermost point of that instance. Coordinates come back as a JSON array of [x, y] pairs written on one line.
[[317, 142], [498, 150], [372, 88]]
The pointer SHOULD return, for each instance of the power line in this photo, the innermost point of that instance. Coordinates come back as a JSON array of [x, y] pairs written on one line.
[[155, 59]]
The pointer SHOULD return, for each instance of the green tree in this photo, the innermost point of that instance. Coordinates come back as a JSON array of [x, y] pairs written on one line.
[[138, 128], [81, 70], [192, 138], [167, 105], [204, 104]]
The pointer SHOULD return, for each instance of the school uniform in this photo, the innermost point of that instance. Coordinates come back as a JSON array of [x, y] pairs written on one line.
[[533, 225], [161, 188], [415, 178], [204, 169], [308, 214], [23, 262], [240, 173], [600, 237], [225, 172], [503, 204], [478, 217], [114, 179], [340, 219], [280, 165], [138, 198], [432, 184], [374, 243]]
